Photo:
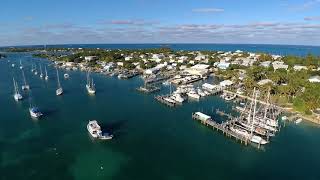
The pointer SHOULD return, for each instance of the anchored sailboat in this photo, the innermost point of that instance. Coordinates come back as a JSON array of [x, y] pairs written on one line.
[[25, 86], [46, 77], [41, 74], [21, 67], [59, 91], [35, 70], [17, 96], [90, 85]]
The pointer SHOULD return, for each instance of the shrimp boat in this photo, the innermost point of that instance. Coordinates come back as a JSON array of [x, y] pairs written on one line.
[[17, 96], [95, 131], [25, 86], [59, 91], [41, 74], [90, 85], [46, 77]]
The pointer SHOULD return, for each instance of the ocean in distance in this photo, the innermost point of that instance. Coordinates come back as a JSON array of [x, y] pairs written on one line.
[[298, 50], [151, 141]]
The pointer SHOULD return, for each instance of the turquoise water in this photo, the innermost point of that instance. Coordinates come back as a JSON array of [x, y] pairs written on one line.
[[298, 50], [151, 141]]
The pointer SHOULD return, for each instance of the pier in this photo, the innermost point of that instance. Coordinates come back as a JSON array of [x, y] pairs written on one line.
[[221, 127]]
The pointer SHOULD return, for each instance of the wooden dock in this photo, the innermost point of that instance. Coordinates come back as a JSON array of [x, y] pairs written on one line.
[[223, 127]]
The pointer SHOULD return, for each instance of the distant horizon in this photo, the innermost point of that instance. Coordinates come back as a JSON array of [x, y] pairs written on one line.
[[30, 45]]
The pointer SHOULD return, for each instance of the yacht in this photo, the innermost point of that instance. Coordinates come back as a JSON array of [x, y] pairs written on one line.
[[59, 91], [201, 92], [95, 131], [46, 77], [25, 86], [17, 96], [258, 140], [90, 85], [177, 97], [35, 112], [192, 94]]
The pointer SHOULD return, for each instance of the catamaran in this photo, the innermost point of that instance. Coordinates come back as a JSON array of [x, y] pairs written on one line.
[[41, 74], [46, 77], [90, 85], [59, 91], [25, 86], [17, 96]]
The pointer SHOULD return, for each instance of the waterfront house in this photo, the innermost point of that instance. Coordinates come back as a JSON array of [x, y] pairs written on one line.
[[265, 63], [226, 83], [201, 70], [299, 67], [314, 79], [279, 65]]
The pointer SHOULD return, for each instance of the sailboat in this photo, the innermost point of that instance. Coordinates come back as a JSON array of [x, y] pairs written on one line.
[[17, 96], [25, 86], [34, 110], [59, 91], [41, 74], [32, 68], [35, 70], [90, 85], [255, 138], [46, 77], [21, 67]]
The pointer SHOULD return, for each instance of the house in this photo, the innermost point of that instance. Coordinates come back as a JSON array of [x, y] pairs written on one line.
[[314, 79], [299, 67], [226, 83], [279, 65], [201, 70], [223, 65], [265, 63], [90, 58], [264, 81], [200, 57]]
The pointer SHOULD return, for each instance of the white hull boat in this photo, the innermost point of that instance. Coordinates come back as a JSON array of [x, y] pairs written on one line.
[[95, 131]]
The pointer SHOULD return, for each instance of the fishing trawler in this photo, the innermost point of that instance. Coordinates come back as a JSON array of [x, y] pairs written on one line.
[[25, 86], [95, 131], [90, 85], [59, 91], [17, 96]]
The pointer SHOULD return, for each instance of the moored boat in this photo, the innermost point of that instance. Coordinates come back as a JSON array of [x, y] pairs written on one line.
[[95, 131]]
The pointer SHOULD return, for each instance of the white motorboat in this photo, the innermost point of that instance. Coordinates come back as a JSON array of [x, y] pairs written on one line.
[[177, 97], [298, 121], [192, 94], [258, 140], [95, 131], [35, 112], [13, 65], [201, 92]]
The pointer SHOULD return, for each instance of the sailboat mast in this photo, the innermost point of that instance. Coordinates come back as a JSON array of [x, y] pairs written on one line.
[[45, 68], [254, 112], [59, 86], [24, 78], [267, 105]]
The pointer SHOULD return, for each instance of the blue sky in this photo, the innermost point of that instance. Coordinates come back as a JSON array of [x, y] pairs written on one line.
[[27, 22]]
